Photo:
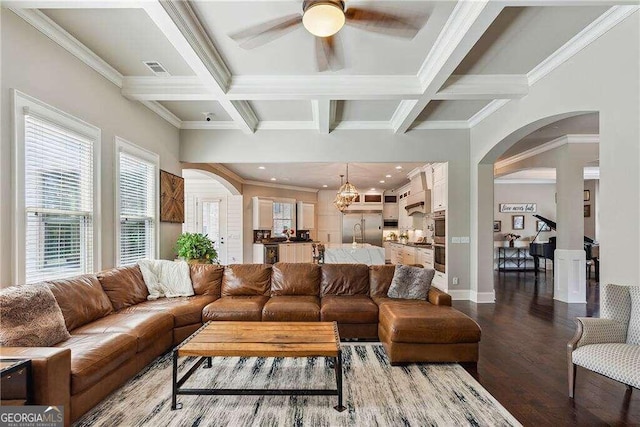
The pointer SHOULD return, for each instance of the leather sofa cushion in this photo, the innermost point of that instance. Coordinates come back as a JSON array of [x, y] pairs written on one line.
[[345, 279], [185, 310], [380, 277], [124, 286], [348, 309], [94, 356], [292, 309], [295, 279], [206, 279], [146, 326], [246, 280], [412, 321], [235, 308], [81, 300]]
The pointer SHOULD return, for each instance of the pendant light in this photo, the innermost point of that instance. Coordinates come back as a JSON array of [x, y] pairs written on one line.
[[339, 202], [348, 191]]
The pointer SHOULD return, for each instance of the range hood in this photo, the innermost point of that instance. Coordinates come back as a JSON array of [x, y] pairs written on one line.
[[419, 201]]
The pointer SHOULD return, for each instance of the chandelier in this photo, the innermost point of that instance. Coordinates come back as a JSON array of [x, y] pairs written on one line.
[[347, 193]]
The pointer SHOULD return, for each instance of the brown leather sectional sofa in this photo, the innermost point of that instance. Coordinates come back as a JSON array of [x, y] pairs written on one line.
[[116, 332]]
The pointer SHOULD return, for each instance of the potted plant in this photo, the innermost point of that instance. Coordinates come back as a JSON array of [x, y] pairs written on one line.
[[511, 237], [196, 248]]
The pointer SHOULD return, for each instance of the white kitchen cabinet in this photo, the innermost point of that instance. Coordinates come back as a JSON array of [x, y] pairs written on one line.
[[440, 281], [390, 211], [262, 213], [408, 255], [439, 194], [396, 253], [305, 217], [387, 250], [258, 253], [303, 252], [425, 257]]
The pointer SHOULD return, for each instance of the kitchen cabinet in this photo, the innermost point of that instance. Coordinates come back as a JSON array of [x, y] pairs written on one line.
[[387, 251], [408, 255], [424, 257], [390, 211], [396, 253], [305, 216], [295, 252], [439, 195], [440, 281], [262, 213]]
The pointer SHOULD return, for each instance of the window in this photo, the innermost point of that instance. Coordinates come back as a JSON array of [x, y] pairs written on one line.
[[137, 186], [284, 216], [57, 198]]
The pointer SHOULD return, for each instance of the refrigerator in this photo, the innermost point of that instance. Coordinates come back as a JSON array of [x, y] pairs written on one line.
[[369, 223]]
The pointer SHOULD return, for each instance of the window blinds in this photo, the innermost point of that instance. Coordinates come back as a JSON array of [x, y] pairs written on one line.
[[137, 209], [58, 192]]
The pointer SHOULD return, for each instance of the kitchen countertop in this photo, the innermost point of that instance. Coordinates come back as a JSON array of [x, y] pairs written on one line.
[[410, 244]]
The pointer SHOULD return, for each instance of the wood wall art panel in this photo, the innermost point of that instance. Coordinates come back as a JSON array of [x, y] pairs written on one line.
[[171, 197]]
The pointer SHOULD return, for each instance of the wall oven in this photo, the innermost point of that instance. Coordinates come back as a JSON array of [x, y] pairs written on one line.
[[439, 258], [439, 228]]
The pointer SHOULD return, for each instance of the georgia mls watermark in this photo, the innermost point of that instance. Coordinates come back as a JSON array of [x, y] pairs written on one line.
[[31, 416]]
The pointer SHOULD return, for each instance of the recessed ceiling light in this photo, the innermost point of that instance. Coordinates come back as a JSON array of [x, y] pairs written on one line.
[[273, 179], [261, 167], [387, 176], [373, 189], [382, 181], [398, 167], [324, 185]]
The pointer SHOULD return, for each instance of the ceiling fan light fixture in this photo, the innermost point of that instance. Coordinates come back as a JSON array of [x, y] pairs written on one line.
[[323, 18]]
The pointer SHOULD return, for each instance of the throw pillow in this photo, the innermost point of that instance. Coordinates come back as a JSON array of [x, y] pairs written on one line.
[[410, 282], [633, 332], [30, 317], [166, 278]]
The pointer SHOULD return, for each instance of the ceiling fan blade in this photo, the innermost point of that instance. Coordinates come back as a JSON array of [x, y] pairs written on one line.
[[262, 34], [384, 22], [329, 53]]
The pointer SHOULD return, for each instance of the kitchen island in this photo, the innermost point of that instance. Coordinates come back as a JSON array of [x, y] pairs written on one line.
[[347, 253]]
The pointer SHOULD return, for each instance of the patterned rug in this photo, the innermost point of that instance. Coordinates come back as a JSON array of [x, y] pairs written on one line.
[[376, 394]]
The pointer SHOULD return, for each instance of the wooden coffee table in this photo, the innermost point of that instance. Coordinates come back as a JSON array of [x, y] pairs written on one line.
[[259, 339]]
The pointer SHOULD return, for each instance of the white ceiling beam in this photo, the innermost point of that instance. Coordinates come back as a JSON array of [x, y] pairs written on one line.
[[466, 24], [179, 24], [334, 87], [163, 112], [533, 3], [71, 4], [324, 114], [481, 86], [191, 88]]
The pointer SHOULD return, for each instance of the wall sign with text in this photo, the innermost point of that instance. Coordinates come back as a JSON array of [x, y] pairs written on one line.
[[518, 207]]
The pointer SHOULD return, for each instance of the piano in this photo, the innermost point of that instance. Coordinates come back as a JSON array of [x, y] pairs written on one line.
[[546, 250]]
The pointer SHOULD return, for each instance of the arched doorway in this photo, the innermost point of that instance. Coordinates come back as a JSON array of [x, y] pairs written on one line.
[[213, 206], [483, 258]]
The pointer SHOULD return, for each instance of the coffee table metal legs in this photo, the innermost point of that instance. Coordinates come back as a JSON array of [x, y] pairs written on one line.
[[177, 383], [338, 368]]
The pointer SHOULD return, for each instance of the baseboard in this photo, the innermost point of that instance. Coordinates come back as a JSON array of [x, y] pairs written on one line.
[[483, 297], [463, 294]]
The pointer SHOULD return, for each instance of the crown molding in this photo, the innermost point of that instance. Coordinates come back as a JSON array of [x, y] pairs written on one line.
[[488, 110], [59, 35], [484, 86], [441, 124], [547, 146], [281, 186], [163, 112], [612, 17], [213, 125], [173, 88]]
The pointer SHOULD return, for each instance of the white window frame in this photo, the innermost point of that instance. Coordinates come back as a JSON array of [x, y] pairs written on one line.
[[124, 146], [23, 104]]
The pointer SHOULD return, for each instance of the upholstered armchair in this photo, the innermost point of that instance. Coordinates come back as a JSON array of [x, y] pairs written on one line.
[[609, 345]]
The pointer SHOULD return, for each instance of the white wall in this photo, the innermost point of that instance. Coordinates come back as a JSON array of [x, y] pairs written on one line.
[[604, 77], [35, 65]]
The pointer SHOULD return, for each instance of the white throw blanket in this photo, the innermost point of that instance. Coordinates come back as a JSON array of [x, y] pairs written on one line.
[[166, 278]]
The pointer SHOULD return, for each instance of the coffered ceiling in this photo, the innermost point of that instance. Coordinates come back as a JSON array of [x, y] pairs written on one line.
[[468, 59]]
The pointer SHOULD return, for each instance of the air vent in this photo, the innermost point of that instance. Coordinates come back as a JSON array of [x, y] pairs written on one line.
[[156, 68]]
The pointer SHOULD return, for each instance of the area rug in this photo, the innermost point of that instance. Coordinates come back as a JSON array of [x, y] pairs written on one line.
[[376, 394]]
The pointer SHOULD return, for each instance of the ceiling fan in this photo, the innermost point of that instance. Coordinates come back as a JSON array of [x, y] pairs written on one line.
[[324, 19]]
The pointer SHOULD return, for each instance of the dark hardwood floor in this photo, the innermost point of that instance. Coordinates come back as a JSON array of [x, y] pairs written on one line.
[[523, 357]]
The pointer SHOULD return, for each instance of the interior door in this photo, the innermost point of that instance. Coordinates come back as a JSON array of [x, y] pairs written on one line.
[[212, 221]]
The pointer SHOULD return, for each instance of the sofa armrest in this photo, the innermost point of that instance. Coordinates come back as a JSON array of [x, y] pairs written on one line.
[[438, 297], [593, 330], [51, 371]]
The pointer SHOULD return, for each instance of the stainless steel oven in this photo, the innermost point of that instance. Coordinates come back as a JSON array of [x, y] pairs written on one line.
[[439, 228], [439, 257]]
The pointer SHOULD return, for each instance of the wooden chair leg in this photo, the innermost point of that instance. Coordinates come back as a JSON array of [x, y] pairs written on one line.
[[572, 379]]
